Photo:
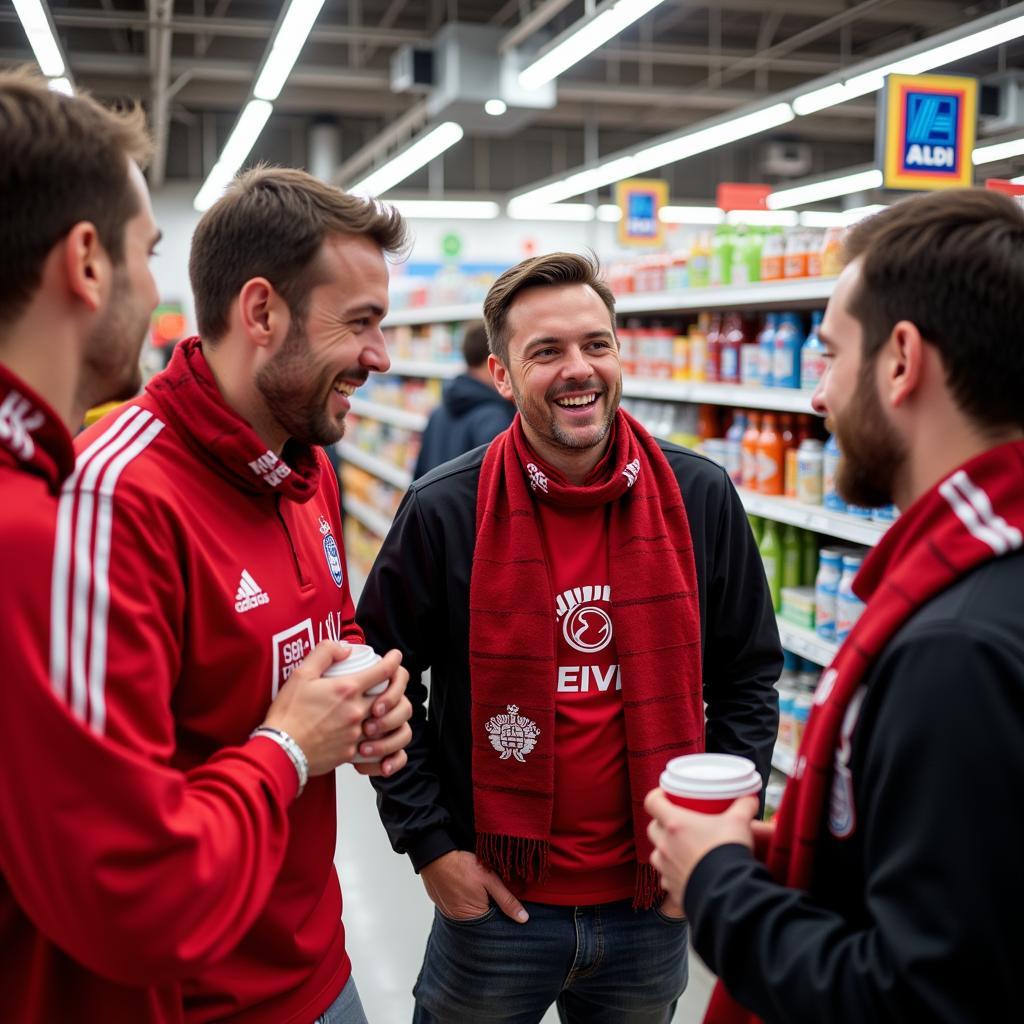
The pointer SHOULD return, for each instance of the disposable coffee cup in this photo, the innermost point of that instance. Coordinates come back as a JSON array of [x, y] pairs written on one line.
[[709, 782], [362, 657]]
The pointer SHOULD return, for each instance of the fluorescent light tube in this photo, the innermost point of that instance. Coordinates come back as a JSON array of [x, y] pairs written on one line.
[[608, 213], [410, 160], [580, 42], [692, 215], [61, 84], [470, 209], [40, 37], [284, 50], [240, 142], [581, 212], [495, 107], [998, 151], [823, 219], [764, 218], [800, 195]]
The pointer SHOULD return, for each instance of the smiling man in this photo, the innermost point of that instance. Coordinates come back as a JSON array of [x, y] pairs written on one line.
[[578, 590], [205, 515]]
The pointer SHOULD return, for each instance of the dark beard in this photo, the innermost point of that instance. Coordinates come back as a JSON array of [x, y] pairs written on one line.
[[872, 452]]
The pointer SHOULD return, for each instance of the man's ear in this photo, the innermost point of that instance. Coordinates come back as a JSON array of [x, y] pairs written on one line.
[[85, 265], [901, 363], [262, 314], [501, 378]]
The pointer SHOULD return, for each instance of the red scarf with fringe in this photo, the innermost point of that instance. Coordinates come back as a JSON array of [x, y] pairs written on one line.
[[512, 661], [974, 515]]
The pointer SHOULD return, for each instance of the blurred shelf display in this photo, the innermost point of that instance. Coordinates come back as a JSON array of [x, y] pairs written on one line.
[[414, 368], [387, 414], [813, 517], [368, 516], [377, 467], [806, 643], [699, 392]]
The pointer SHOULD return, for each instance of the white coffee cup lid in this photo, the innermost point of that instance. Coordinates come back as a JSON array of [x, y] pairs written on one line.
[[711, 776], [362, 656]]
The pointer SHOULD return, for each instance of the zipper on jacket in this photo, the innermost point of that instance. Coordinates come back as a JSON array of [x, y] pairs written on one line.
[[291, 543]]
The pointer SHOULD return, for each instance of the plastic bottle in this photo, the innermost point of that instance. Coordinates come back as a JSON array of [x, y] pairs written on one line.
[[789, 338], [826, 592], [812, 356], [809, 459], [773, 251], [788, 691], [751, 437], [721, 254], [849, 607], [756, 527], [730, 344], [698, 338], [680, 355], [771, 555], [713, 359], [766, 346], [809, 563], [792, 556], [790, 444], [708, 422], [770, 456], [795, 261], [829, 468], [746, 256], [832, 252], [734, 447]]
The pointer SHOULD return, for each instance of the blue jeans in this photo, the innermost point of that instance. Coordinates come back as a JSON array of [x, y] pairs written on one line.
[[605, 964], [346, 1009]]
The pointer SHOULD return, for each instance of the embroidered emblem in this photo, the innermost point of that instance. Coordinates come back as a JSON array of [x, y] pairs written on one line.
[[842, 811], [537, 479], [325, 527], [18, 418], [631, 472], [333, 556], [512, 735], [270, 469]]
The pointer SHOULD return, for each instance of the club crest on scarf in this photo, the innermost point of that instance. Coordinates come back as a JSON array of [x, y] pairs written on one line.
[[538, 481], [512, 735]]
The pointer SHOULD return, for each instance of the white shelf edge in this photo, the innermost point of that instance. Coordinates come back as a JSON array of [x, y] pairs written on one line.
[[813, 517], [434, 314], [806, 643], [737, 395], [388, 414], [424, 368], [376, 522], [377, 467]]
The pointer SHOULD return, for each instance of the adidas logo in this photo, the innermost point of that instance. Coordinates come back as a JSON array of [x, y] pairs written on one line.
[[250, 594]]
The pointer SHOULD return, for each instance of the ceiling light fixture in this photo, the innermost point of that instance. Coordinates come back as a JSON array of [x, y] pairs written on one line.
[[581, 39], [692, 215], [240, 142], [292, 32], [495, 107], [36, 22], [998, 151], [410, 160], [580, 212], [469, 209], [829, 188]]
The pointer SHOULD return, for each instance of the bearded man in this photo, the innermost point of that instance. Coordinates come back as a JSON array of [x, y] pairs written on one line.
[[892, 887], [579, 591]]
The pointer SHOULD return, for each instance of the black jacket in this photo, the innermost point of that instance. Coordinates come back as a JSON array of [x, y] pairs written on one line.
[[417, 599], [470, 414], [918, 915]]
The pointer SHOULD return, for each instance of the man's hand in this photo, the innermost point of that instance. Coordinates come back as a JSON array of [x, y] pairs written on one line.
[[462, 888], [325, 716], [682, 837], [386, 733]]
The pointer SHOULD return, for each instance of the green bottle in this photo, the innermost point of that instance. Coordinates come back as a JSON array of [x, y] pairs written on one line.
[[756, 528], [771, 555], [722, 247], [810, 558], [792, 557]]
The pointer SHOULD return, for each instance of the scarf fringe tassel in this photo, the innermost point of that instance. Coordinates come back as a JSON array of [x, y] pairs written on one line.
[[648, 889], [514, 856]]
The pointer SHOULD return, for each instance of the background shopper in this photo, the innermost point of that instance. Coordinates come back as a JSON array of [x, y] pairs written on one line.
[[893, 889], [578, 592]]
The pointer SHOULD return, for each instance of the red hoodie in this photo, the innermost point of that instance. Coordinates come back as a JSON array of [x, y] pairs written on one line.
[[202, 569], [117, 873]]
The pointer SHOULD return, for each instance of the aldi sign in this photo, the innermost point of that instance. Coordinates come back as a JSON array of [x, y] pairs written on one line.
[[928, 131]]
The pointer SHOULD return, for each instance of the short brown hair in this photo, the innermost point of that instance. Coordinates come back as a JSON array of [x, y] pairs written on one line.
[[271, 222], [951, 263], [556, 268], [474, 344], [63, 160]]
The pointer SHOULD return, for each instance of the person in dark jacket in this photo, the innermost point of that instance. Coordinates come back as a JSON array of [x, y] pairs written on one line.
[[471, 412], [578, 590], [893, 887]]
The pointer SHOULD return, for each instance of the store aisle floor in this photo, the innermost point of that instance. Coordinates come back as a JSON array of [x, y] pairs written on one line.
[[387, 914]]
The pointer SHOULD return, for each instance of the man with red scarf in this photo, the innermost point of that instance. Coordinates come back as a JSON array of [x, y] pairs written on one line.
[[893, 887], [579, 591]]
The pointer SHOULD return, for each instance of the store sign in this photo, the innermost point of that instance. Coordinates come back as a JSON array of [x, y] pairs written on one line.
[[736, 195], [640, 201], [928, 131]]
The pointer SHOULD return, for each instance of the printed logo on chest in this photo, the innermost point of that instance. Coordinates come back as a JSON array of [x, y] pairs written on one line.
[[586, 627]]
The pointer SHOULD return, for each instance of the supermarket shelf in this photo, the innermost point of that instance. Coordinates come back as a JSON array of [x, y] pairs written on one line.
[[807, 291], [434, 314], [804, 292], [738, 396], [806, 643], [783, 760], [385, 471], [376, 522], [424, 368], [388, 414], [813, 517]]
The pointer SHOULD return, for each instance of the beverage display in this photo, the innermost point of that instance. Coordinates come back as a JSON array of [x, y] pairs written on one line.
[[812, 356], [826, 592]]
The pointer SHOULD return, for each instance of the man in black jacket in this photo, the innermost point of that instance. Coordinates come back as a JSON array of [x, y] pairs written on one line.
[[893, 888], [578, 591], [471, 412]]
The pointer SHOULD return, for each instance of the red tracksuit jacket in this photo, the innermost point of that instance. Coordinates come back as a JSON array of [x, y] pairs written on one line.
[[117, 873], [224, 570]]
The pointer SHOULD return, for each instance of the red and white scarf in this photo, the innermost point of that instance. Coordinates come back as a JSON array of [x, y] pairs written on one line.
[[974, 515], [512, 661]]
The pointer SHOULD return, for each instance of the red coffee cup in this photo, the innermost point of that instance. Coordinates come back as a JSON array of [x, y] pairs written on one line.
[[709, 782]]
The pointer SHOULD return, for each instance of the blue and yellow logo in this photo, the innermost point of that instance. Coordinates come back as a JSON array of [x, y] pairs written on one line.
[[929, 131]]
